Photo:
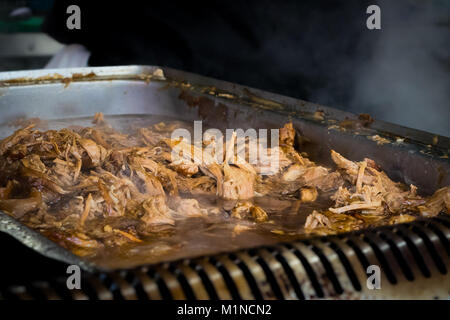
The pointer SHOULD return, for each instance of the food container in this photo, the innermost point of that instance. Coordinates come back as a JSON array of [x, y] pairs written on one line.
[[308, 267]]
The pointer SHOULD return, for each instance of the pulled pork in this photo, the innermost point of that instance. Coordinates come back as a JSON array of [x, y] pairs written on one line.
[[370, 196], [94, 187], [91, 187]]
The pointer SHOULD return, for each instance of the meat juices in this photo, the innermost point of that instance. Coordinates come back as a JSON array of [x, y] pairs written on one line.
[[90, 188]]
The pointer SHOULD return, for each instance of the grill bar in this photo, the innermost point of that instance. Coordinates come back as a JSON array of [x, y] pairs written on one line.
[[414, 259]]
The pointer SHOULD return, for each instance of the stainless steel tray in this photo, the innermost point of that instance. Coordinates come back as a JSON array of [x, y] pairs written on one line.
[[405, 154]]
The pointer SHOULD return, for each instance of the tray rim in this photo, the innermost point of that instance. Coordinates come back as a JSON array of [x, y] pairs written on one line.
[[223, 90], [216, 88]]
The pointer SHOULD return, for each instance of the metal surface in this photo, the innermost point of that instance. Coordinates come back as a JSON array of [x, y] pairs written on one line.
[[28, 45], [414, 261], [407, 155], [322, 267]]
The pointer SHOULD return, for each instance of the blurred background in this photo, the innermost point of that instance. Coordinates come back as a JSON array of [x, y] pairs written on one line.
[[23, 44], [320, 51]]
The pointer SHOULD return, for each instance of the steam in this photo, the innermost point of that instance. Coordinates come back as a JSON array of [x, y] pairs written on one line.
[[407, 79]]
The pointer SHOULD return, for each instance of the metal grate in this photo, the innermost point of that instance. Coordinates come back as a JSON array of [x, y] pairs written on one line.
[[414, 259]]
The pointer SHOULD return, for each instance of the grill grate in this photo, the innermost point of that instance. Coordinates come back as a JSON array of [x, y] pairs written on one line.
[[413, 257]]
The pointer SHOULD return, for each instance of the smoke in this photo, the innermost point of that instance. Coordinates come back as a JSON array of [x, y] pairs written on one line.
[[319, 51], [398, 74], [406, 80]]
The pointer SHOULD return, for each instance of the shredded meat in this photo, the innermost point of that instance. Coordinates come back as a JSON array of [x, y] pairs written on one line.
[[93, 187], [370, 195], [287, 134], [315, 220], [238, 183], [247, 208], [189, 207], [156, 211], [440, 201], [372, 191], [19, 207]]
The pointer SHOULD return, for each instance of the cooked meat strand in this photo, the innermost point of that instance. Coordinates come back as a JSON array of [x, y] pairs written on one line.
[[244, 209], [238, 183], [287, 134], [156, 211], [127, 235], [20, 207], [95, 152], [372, 190], [440, 201], [315, 220], [357, 206], [87, 209], [14, 139], [189, 208]]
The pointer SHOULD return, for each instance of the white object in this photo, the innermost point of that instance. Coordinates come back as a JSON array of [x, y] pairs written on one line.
[[70, 56]]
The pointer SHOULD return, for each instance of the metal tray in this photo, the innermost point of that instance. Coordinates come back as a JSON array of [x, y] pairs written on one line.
[[407, 155]]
